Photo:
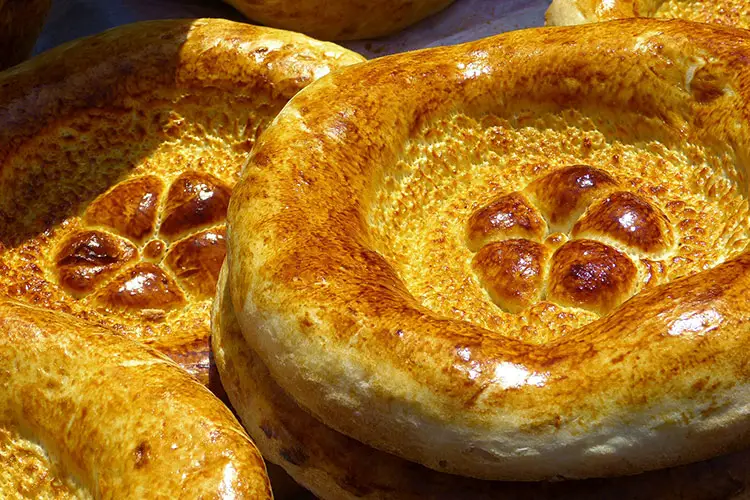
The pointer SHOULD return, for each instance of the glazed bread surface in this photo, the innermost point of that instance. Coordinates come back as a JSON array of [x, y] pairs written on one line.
[[87, 413], [519, 258], [340, 19], [728, 12], [118, 154]]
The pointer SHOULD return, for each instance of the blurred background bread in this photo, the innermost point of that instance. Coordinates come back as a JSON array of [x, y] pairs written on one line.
[[21, 21], [726, 12], [340, 19]]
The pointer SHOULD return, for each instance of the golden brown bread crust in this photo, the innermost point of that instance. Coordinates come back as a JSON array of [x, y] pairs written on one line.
[[340, 19], [99, 416], [727, 12], [351, 276], [117, 157], [513, 272], [334, 466], [21, 21]]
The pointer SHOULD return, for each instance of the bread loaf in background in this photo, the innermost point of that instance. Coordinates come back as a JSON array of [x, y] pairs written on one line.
[[21, 21]]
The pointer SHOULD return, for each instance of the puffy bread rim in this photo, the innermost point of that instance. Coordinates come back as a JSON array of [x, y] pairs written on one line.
[[116, 417]]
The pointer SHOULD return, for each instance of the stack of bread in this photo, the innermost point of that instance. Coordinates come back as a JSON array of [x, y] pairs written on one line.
[[511, 268]]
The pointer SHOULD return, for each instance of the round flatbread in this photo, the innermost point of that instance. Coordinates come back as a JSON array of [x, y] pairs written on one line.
[[519, 258], [118, 154]]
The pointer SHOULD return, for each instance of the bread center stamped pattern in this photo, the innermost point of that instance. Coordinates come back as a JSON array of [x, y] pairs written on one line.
[[121, 260], [572, 237]]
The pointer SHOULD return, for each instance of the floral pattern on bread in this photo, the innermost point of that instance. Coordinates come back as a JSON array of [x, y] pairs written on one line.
[[570, 237]]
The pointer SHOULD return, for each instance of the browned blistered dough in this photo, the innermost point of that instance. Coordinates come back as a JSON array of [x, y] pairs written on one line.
[[87, 413], [727, 12], [21, 21], [513, 272], [352, 278], [334, 466], [117, 158], [340, 19], [510, 215]]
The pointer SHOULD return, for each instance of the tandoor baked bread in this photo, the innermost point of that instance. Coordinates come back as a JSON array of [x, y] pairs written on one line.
[[334, 466], [118, 154], [727, 12], [21, 21], [86, 413], [519, 258], [339, 19]]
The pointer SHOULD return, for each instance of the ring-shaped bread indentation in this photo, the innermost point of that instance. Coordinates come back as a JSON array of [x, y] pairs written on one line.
[[196, 260], [590, 275], [508, 216], [563, 195], [628, 219], [143, 286], [512, 271], [129, 208], [87, 258], [194, 200]]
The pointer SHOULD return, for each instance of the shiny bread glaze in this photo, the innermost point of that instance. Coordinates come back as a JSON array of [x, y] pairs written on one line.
[[513, 272], [507, 216], [566, 212], [727, 12], [339, 19], [117, 157], [351, 276], [335, 466], [87, 413]]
